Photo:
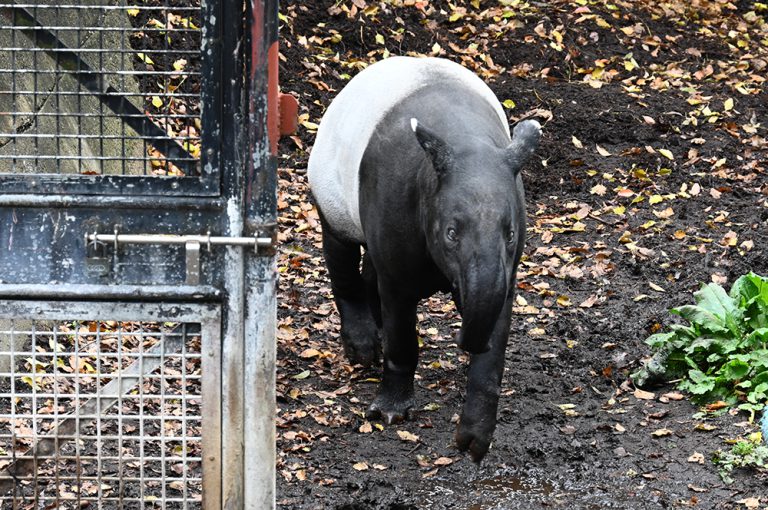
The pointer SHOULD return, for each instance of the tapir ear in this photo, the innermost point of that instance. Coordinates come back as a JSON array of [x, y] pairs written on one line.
[[525, 141], [437, 150]]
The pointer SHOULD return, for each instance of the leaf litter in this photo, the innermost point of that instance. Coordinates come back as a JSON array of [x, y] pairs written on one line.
[[649, 181]]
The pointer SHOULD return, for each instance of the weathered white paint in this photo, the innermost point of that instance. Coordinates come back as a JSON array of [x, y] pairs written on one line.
[[351, 119]]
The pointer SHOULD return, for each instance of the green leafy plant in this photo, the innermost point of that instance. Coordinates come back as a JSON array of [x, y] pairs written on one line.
[[747, 453], [722, 354]]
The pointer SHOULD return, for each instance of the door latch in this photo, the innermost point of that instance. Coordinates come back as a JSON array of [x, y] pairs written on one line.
[[262, 243]]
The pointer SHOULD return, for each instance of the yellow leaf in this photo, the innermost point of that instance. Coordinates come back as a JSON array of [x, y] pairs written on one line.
[[132, 12], [647, 225], [157, 102], [508, 104], [661, 433], [679, 234], [564, 301], [728, 104], [379, 39], [145, 58], [655, 199], [666, 153], [179, 64], [436, 48]]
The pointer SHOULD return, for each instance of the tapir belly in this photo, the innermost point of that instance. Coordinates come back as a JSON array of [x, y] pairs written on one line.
[[357, 113]]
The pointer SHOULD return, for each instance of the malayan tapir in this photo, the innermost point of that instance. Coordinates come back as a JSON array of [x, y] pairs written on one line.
[[413, 163]]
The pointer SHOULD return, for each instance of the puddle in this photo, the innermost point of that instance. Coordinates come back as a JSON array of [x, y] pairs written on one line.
[[503, 487]]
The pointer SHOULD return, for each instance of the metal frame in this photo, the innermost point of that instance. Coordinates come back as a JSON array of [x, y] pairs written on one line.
[[234, 197], [68, 426], [206, 184]]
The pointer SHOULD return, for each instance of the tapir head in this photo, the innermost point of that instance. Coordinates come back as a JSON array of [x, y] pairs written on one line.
[[474, 221]]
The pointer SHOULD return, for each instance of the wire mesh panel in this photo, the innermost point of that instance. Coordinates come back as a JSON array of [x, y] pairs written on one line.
[[106, 413], [100, 87]]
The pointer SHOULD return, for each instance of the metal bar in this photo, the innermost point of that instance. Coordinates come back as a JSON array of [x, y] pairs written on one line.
[[97, 292], [261, 308], [171, 239], [111, 202], [211, 420], [95, 82], [118, 311], [192, 249], [72, 425]]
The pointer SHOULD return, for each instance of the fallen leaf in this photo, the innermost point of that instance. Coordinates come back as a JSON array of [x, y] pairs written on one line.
[[310, 353], [360, 466], [602, 151], [443, 461], [750, 502], [662, 433], [667, 154], [697, 458], [644, 395], [576, 142], [366, 428], [407, 436]]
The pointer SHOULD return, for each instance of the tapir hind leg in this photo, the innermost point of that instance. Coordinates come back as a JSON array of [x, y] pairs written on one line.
[[478, 418], [359, 333]]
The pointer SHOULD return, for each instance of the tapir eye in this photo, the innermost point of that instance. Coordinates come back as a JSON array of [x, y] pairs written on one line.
[[511, 236], [450, 235]]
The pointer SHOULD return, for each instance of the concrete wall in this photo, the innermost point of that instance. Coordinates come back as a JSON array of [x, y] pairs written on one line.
[[49, 102], [11, 344]]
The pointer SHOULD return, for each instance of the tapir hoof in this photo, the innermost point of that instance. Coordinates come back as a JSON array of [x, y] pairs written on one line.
[[470, 438], [390, 416], [389, 410]]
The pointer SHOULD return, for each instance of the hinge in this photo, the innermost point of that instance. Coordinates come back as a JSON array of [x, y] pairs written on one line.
[[263, 243]]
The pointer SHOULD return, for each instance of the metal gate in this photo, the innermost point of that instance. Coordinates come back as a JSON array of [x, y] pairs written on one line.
[[137, 273]]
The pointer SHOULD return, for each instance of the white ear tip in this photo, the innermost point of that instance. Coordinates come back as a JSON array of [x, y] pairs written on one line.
[[414, 123]]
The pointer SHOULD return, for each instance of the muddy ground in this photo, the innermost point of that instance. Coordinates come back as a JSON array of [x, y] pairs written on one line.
[[649, 181]]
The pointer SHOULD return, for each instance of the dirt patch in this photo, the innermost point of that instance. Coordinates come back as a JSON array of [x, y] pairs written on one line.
[[620, 230]]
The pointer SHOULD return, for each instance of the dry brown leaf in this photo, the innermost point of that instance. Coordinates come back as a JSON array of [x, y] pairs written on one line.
[[644, 395]]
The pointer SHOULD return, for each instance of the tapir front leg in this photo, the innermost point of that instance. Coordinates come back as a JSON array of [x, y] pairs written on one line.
[[359, 333], [401, 355], [478, 418]]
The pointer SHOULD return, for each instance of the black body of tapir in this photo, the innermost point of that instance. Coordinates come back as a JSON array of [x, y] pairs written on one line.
[[414, 162]]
